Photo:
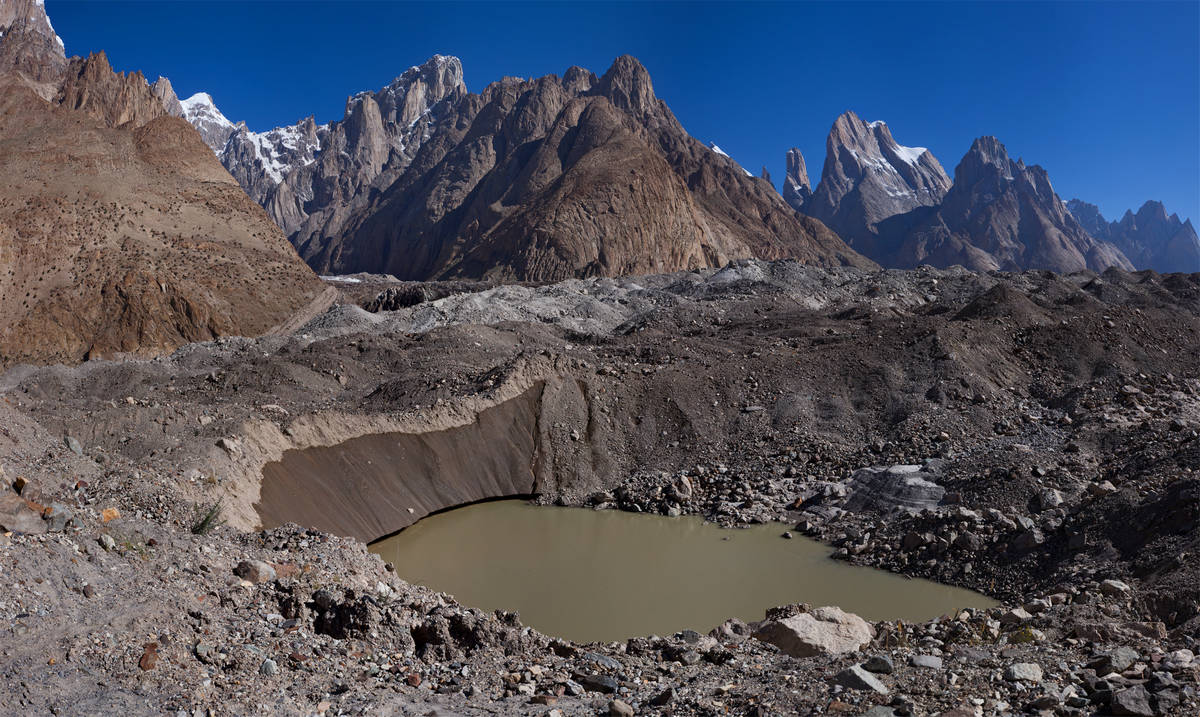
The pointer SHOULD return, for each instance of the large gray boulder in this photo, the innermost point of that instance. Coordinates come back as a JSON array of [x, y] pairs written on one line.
[[823, 631], [901, 487]]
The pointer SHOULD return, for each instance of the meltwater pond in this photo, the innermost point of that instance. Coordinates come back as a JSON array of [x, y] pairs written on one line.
[[589, 575]]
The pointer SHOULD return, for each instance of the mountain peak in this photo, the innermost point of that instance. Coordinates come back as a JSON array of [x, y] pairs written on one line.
[[627, 85], [163, 90], [990, 150], [214, 127], [796, 187], [868, 177]]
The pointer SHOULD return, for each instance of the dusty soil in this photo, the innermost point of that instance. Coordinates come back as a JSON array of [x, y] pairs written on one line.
[[1060, 414]]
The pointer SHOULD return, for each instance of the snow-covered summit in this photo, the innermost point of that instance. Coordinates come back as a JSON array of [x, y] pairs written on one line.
[[202, 113]]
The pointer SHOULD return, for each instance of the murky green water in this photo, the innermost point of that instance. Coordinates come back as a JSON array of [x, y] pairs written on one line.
[[590, 575]]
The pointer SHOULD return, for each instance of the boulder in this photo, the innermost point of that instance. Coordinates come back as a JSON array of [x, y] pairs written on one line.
[[899, 487], [255, 571], [856, 678], [1023, 672], [822, 631], [1132, 701], [16, 515]]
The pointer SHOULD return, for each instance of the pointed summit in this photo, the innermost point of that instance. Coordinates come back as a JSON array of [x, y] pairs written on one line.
[[869, 177], [213, 126], [796, 188], [163, 91], [1002, 214], [1151, 238], [627, 85]]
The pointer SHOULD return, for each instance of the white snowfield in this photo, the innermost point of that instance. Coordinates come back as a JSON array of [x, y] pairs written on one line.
[[201, 108]]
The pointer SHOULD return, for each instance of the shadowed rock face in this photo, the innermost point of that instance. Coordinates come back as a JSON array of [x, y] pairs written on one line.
[[869, 177], [166, 94], [999, 214], [574, 176], [1151, 239], [311, 177]]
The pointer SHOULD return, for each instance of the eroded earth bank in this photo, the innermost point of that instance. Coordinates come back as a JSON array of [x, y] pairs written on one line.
[[1030, 436]]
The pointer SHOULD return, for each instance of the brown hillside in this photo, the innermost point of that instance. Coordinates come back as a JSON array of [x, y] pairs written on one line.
[[128, 239]]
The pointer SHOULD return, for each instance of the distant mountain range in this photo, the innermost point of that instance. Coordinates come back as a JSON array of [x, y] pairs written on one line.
[[372, 205], [529, 179]]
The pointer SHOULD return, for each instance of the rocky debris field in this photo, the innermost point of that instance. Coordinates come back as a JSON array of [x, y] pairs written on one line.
[[1035, 437]]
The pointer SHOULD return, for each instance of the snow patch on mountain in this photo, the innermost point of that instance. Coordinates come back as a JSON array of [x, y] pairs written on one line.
[[910, 154], [717, 150]]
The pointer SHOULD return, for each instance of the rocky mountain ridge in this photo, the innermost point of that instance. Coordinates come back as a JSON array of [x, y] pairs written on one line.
[[1150, 238], [999, 214], [576, 175], [423, 179], [896, 205]]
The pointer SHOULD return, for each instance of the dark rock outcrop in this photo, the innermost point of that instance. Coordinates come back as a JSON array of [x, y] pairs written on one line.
[[91, 86]]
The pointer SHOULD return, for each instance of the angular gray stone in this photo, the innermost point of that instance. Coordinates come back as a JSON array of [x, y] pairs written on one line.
[[617, 708], [59, 517], [1023, 672], [932, 662], [856, 678], [1132, 701], [1117, 660], [1115, 588], [73, 444], [17, 517], [597, 683]]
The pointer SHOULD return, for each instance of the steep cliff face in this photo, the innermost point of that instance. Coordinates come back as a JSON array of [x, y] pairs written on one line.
[[567, 176], [1150, 238], [30, 48], [120, 233], [796, 188], [91, 86], [310, 177], [999, 214], [869, 177], [163, 90]]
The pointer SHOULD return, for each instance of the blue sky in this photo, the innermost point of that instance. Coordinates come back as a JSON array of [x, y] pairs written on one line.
[[1104, 95]]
